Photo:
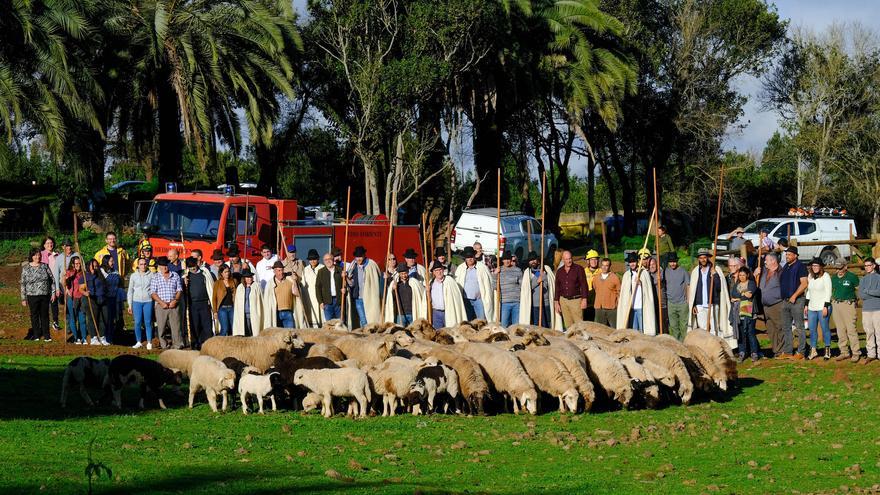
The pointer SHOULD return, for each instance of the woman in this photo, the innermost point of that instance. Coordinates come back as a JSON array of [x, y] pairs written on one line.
[[248, 313], [819, 306], [37, 293], [112, 284], [93, 298], [50, 257], [224, 299], [74, 283], [742, 295], [140, 303]]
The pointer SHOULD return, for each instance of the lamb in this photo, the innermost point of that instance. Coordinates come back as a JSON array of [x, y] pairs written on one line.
[[608, 373], [326, 350], [392, 381], [473, 385], [179, 359], [668, 359], [575, 362], [590, 328], [551, 377], [255, 351], [240, 368], [644, 383], [341, 382], [704, 372], [422, 329], [369, 351], [287, 364], [84, 371], [212, 376], [506, 373], [716, 348], [149, 375], [260, 385], [431, 380]]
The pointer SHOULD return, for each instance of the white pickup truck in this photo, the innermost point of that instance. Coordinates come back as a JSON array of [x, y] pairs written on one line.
[[481, 225], [804, 229]]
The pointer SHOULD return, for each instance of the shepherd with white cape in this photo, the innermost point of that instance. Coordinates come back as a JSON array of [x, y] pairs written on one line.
[[528, 307], [475, 280], [312, 316], [287, 287], [407, 292], [255, 306], [698, 300], [447, 303], [365, 290], [636, 296]]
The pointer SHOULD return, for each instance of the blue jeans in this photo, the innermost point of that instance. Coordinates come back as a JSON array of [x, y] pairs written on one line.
[[814, 320], [76, 318], [748, 341], [474, 309], [224, 316], [545, 317], [362, 315], [285, 318], [438, 317], [404, 320], [637, 323], [509, 313], [332, 310], [143, 317]]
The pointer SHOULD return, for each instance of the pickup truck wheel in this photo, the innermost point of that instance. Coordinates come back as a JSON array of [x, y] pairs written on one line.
[[830, 255]]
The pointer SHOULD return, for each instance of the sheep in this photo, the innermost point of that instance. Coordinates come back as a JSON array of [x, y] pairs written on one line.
[[311, 401], [575, 362], [590, 328], [287, 364], [326, 350], [392, 381], [179, 359], [644, 383], [431, 380], [608, 373], [473, 385], [348, 363], [260, 385], [341, 382], [491, 332], [717, 349], [369, 351], [422, 329], [506, 373], [146, 373], [212, 376], [255, 351], [551, 376], [83, 371], [335, 325], [661, 355], [704, 372]]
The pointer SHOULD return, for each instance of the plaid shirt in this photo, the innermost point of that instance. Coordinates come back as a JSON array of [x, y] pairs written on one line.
[[166, 288]]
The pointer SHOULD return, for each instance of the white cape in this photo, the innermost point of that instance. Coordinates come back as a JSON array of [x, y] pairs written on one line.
[[256, 307], [270, 306], [420, 300], [453, 302], [627, 291], [724, 329], [312, 314], [370, 293], [525, 299], [484, 279]]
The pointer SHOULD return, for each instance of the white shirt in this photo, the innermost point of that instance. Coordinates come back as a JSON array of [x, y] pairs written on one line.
[[264, 271], [332, 281], [704, 276]]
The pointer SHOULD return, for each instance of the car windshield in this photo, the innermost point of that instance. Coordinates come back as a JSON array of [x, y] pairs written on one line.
[[756, 227], [191, 219]]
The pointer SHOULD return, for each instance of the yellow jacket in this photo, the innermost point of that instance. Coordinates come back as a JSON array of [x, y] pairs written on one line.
[[124, 262]]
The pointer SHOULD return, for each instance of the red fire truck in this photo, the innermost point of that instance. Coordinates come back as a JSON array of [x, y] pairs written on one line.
[[210, 220]]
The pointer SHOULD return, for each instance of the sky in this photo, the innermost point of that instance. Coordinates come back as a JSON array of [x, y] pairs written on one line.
[[810, 14]]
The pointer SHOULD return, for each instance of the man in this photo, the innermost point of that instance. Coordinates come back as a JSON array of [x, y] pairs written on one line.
[[247, 319], [606, 287], [765, 243], [792, 288], [405, 299], [175, 264], [236, 263], [478, 252], [216, 263], [264, 271], [329, 288], [281, 305], [62, 262], [446, 301], [843, 310], [736, 239], [665, 247], [715, 321], [592, 269], [413, 270], [311, 307], [869, 290], [166, 291], [771, 301], [363, 279], [510, 278], [116, 252], [636, 309], [440, 256], [292, 264], [199, 289], [478, 286], [389, 274], [145, 250], [675, 280], [537, 289], [571, 291], [337, 257]]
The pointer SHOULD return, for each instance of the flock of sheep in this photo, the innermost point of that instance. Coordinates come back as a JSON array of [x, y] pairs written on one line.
[[474, 368]]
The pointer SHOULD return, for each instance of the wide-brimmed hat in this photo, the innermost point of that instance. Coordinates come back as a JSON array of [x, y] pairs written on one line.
[[402, 268], [437, 265], [313, 254], [278, 264], [672, 257], [410, 253], [247, 273], [217, 255], [506, 256], [162, 261], [191, 262], [817, 261], [792, 249], [232, 252], [703, 252], [468, 252], [533, 256], [337, 252], [439, 251], [632, 257], [360, 252]]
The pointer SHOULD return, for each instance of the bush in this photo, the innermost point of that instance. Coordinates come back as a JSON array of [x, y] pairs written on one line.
[[16, 251]]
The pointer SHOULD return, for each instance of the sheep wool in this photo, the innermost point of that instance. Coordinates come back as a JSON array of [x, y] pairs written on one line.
[[212, 376], [179, 359], [255, 351], [340, 382], [551, 377], [506, 373]]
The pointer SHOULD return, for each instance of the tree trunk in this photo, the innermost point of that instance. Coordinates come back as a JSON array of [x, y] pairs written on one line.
[[609, 183], [488, 150], [626, 190], [268, 168], [591, 192], [170, 144]]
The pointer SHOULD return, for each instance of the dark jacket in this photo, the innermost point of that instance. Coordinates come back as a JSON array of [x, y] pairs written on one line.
[[322, 285], [97, 287]]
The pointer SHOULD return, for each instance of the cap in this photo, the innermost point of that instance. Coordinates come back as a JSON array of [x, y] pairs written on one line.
[[440, 251], [468, 252], [817, 261], [592, 253], [533, 256], [410, 253], [792, 249], [162, 261], [192, 262], [841, 263], [218, 254], [506, 256], [360, 252], [232, 252], [278, 264], [67, 242], [703, 252], [247, 273], [631, 258], [437, 266], [672, 257], [644, 253], [402, 268], [313, 254], [291, 248]]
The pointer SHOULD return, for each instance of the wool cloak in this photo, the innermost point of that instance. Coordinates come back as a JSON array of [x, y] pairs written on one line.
[[270, 305], [723, 328], [420, 301], [256, 307], [484, 279], [453, 302], [525, 299], [371, 293], [312, 314], [627, 292]]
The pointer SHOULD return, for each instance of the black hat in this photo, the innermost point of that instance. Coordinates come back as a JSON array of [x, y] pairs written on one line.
[[792, 249], [192, 262], [672, 257], [232, 252], [402, 268], [533, 256], [437, 265], [506, 256], [360, 252], [162, 261], [410, 253], [218, 254], [468, 252], [66, 242], [440, 251], [313, 254], [278, 264], [632, 258], [245, 273], [337, 252], [817, 261]]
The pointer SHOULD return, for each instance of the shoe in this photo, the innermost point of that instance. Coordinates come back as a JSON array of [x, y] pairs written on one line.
[[742, 357], [797, 357], [103, 341], [856, 358], [755, 358], [56, 326], [842, 357], [813, 354], [77, 342], [149, 346], [868, 360], [137, 346], [48, 339], [827, 355]]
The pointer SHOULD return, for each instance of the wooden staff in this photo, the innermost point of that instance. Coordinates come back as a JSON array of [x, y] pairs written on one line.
[[711, 320], [657, 250], [604, 241], [541, 268], [247, 223], [76, 230], [431, 233], [498, 259], [387, 255], [185, 290], [427, 271], [449, 239], [344, 254]]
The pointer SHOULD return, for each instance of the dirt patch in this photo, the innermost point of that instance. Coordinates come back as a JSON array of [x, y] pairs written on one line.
[[18, 347]]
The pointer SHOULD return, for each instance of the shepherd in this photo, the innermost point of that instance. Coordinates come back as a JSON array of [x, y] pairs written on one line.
[[364, 288], [699, 299], [537, 289], [447, 305], [405, 299], [308, 289], [635, 309], [282, 304], [476, 281], [248, 313]]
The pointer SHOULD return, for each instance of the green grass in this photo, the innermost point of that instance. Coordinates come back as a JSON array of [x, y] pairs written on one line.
[[789, 427]]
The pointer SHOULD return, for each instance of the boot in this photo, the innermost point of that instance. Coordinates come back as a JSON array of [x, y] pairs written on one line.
[[827, 354], [842, 357]]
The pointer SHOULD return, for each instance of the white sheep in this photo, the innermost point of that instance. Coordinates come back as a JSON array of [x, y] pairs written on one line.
[[717, 349], [703, 370], [644, 383], [433, 378], [472, 382], [506, 373], [326, 350], [255, 351], [371, 350], [648, 349], [179, 359], [259, 386], [575, 362], [339, 382], [212, 376], [551, 376], [391, 380], [608, 373]]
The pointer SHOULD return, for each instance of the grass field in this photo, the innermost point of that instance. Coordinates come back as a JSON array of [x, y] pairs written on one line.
[[787, 428]]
